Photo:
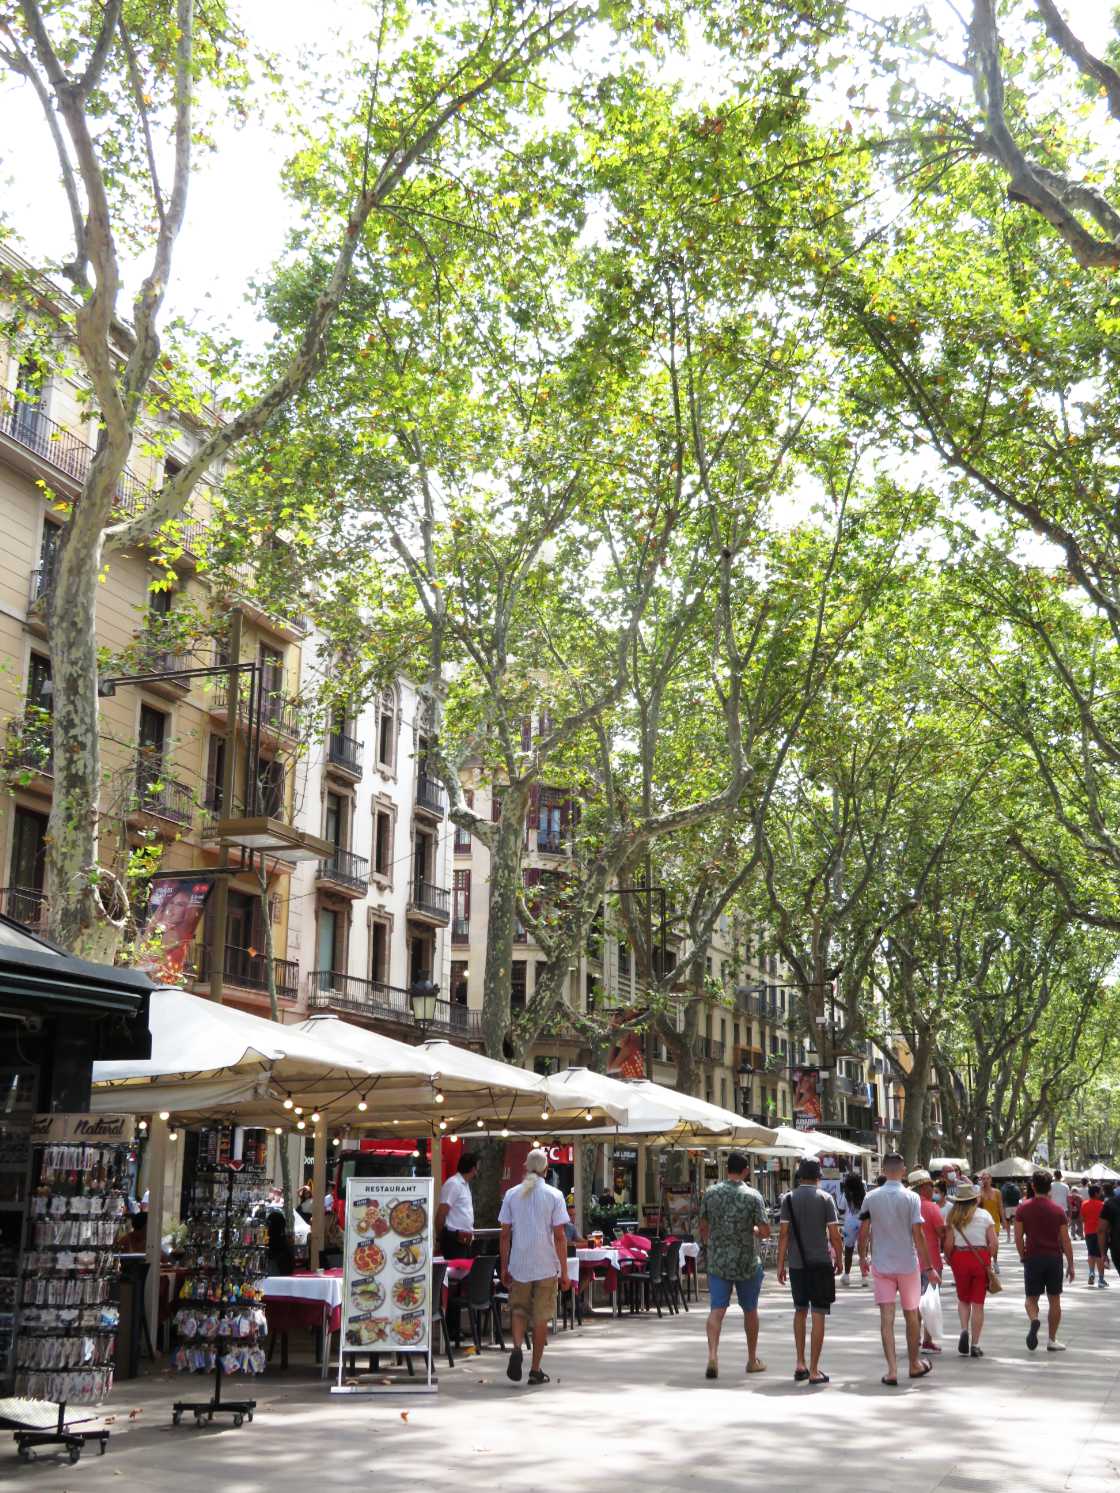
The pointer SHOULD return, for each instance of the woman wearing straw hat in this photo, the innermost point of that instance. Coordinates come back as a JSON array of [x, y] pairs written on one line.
[[970, 1243]]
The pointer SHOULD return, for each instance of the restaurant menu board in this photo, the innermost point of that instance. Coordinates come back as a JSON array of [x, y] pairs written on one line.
[[386, 1299]]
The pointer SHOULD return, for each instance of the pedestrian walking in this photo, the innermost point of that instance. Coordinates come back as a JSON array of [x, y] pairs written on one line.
[[970, 1242], [1059, 1193], [1076, 1222], [455, 1214], [991, 1200], [891, 1234], [1108, 1227], [853, 1192], [933, 1223], [534, 1252], [1090, 1218], [1042, 1238], [809, 1238], [732, 1221], [1011, 1197]]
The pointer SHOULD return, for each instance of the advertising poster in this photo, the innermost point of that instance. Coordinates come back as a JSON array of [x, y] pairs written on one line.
[[175, 908], [387, 1269], [626, 1058], [806, 1099]]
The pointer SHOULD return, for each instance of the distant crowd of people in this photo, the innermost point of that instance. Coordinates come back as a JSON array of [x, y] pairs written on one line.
[[903, 1230]]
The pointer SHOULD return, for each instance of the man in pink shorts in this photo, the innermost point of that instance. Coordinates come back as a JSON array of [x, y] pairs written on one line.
[[891, 1231]]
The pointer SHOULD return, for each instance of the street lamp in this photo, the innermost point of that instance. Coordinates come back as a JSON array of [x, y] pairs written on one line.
[[423, 996], [745, 1077]]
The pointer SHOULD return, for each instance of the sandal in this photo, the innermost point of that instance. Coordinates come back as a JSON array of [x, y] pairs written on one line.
[[711, 1372], [976, 1352], [513, 1368], [927, 1368], [538, 1376], [892, 1382], [756, 1366], [820, 1379], [800, 1375]]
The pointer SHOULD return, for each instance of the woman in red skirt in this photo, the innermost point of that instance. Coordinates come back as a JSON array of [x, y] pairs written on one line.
[[970, 1244]]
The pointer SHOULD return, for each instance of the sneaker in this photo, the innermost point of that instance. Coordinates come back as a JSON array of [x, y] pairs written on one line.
[[1102, 1283], [995, 1266], [846, 1278], [513, 1367], [1053, 1346], [1032, 1336], [864, 1281], [1092, 1280], [962, 1344]]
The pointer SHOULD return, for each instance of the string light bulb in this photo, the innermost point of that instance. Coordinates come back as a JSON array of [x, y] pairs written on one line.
[[588, 1115], [337, 1141], [143, 1125], [505, 1135], [544, 1114], [172, 1135], [288, 1102], [439, 1096], [165, 1114], [301, 1125], [315, 1117], [299, 1111], [362, 1105], [454, 1138], [480, 1124], [443, 1124], [279, 1130]]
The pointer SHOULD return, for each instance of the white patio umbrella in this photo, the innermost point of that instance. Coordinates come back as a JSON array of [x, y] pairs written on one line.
[[656, 1113], [1098, 1172], [937, 1162], [1013, 1166], [816, 1143]]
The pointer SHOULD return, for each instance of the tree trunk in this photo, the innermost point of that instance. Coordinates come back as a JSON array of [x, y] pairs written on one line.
[[72, 834], [916, 1141], [501, 923]]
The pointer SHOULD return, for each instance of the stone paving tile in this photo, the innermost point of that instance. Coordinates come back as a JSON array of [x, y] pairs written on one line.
[[629, 1411]]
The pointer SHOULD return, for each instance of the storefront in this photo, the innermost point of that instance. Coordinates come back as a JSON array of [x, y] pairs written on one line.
[[58, 1015]]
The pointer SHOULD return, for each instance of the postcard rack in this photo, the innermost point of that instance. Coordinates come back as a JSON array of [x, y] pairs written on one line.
[[68, 1313], [219, 1320]]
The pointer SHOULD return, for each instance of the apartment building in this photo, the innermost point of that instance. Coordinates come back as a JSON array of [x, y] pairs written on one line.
[[165, 740], [373, 917]]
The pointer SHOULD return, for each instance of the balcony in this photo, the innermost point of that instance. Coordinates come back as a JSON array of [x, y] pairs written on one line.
[[344, 754], [330, 991], [853, 1087], [777, 1062], [279, 714], [248, 970], [24, 905], [159, 661], [709, 1049], [28, 753], [430, 903], [430, 797], [346, 870], [864, 1138], [67, 454], [162, 796], [551, 843], [460, 930]]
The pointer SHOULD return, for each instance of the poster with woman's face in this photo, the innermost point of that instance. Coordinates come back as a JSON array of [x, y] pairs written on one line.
[[806, 1099], [175, 908], [627, 1056]]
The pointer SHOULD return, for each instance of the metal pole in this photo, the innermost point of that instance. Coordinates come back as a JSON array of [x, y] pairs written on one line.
[[577, 1185], [219, 923], [156, 1159], [318, 1194]]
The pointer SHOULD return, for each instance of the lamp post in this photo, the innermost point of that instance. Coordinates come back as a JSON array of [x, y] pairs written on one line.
[[423, 996], [745, 1077]]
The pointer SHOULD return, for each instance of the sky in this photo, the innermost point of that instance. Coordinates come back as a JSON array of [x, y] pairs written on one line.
[[238, 215]]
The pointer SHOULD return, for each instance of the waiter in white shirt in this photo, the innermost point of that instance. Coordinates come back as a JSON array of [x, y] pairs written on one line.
[[455, 1214]]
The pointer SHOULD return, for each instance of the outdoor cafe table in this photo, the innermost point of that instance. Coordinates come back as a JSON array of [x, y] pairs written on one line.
[[305, 1300]]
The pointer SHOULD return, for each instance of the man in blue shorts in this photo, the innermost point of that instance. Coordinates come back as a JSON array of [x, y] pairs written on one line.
[[732, 1220]]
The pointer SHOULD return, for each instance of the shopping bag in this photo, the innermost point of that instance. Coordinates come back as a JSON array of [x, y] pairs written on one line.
[[930, 1308]]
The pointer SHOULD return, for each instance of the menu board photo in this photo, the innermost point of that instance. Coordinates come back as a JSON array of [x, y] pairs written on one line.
[[387, 1268]]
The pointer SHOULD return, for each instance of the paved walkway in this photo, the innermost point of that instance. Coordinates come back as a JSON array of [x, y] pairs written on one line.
[[629, 1409]]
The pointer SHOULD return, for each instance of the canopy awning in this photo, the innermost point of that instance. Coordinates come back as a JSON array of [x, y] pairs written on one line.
[[1013, 1166], [817, 1143], [657, 1114]]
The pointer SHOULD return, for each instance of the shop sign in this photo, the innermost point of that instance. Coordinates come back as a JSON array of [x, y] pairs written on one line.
[[64, 1129], [624, 1155], [387, 1271]]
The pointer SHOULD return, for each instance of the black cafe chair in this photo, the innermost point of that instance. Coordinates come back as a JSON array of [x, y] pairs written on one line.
[[477, 1297]]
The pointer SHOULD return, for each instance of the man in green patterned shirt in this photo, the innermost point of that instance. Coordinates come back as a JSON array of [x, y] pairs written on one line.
[[732, 1219]]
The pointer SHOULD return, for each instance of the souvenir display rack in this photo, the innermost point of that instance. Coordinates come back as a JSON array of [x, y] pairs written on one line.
[[68, 1312], [18, 1084], [219, 1319]]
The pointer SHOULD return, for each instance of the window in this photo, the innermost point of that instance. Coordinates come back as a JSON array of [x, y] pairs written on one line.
[[554, 814], [153, 741], [383, 843], [38, 677], [379, 951], [461, 907], [589, 992], [459, 982], [330, 941], [28, 415], [49, 541], [517, 975], [334, 820], [422, 857], [463, 836], [171, 468], [215, 773], [159, 602], [723, 1089], [624, 961], [29, 849], [271, 796], [272, 682], [387, 731]]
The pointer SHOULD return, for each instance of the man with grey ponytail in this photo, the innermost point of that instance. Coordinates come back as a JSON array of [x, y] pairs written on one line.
[[534, 1252]]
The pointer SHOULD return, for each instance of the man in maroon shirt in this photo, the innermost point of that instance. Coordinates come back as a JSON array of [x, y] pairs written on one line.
[[1042, 1238]]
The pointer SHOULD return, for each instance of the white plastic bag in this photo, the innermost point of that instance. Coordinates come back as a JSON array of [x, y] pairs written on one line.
[[930, 1308]]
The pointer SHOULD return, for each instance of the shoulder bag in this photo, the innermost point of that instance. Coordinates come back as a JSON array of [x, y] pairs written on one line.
[[822, 1285]]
